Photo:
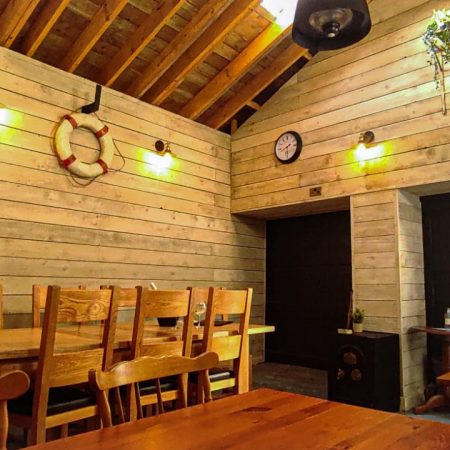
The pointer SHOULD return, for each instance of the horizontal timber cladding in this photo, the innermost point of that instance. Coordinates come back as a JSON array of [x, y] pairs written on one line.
[[383, 84], [128, 227]]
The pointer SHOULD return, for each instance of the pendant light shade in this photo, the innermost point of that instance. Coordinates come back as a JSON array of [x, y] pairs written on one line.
[[330, 24]]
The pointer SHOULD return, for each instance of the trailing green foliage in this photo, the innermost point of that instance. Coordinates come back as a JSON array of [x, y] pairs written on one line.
[[437, 40]]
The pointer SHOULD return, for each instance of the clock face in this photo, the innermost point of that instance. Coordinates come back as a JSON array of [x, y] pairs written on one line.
[[288, 147]]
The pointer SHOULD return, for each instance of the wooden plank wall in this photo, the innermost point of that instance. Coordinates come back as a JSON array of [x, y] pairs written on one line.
[[412, 296], [375, 273], [383, 84], [388, 280], [128, 227]]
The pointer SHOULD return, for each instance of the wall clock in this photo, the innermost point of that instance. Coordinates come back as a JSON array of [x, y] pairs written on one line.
[[288, 147]]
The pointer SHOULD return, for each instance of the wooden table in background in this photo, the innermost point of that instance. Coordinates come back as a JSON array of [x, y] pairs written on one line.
[[266, 419], [19, 347], [443, 334]]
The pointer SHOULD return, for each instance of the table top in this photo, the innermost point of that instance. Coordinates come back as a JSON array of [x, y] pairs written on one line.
[[267, 419], [434, 330], [24, 342]]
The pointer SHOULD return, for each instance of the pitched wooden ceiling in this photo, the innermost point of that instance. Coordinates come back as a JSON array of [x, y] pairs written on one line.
[[214, 61]]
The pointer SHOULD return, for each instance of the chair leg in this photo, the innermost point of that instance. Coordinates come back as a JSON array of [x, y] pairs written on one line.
[[3, 424], [64, 430]]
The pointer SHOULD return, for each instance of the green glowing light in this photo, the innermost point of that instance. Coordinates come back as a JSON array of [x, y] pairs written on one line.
[[158, 164], [372, 157], [11, 118]]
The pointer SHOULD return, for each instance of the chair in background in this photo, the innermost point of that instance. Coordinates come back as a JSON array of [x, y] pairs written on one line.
[[12, 385], [161, 304], [1, 306], [143, 368], [53, 403], [222, 302], [38, 300]]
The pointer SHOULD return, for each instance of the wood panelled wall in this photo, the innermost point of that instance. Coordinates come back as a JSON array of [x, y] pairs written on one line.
[[383, 84], [131, 226], [412, 296], [388, 282]]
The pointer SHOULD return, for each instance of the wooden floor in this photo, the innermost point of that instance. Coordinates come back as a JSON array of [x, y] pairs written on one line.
[[307, 381]]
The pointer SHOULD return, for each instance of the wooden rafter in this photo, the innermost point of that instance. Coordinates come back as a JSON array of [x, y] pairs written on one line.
[[258, 83], [42, 25], [140, 38], [268, 39], [174, 49], [199, 51], [104, 16], [13, 19]]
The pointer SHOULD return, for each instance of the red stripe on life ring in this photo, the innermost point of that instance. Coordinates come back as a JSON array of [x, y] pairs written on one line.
[[72, 121], [101, 132], [68, 161], [103, 165]]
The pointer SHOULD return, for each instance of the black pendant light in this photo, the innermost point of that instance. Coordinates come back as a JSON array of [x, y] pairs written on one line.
[[330, 24]]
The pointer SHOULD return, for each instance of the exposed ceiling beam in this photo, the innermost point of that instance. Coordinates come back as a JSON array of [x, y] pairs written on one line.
[[13, 19], [257, 84], [102, 19], [42, 25], [199, 50], [253, 105], [139, 40], [177, 47], [260, 46]]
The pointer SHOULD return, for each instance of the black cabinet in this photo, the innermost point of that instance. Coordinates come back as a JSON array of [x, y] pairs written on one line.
[[366, 371]]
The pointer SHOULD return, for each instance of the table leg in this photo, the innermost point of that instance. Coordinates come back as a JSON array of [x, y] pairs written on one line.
[[244, 371], [433, 402]]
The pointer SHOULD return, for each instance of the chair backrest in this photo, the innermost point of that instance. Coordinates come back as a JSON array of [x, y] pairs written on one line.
[[201, 294], [12, 385], [1, 306], [162, 304], [56, 369], [39, 298], [127, 296], [145, 368], [227, 302]]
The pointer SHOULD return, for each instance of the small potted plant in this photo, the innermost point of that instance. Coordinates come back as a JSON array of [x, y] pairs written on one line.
[[437, 41], [358, 319]]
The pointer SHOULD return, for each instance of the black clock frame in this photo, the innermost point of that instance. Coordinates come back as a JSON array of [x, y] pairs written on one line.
[[297, 151]]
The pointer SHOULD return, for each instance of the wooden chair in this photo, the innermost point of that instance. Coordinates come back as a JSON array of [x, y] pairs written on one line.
[[39, 298], [53, 404], [12, 385], [148, 367], [222, 302], [161, 304], [1, 307]]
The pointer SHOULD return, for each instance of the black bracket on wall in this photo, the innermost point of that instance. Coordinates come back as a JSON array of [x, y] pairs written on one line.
[[93, 107]]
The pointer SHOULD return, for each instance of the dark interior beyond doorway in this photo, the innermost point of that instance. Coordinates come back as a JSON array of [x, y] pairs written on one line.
[[308, 287], [436, 242]]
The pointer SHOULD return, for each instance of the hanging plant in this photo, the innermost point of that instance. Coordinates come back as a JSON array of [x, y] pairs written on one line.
[[437, 40]]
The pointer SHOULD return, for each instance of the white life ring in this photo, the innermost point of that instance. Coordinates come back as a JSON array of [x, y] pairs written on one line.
[[64, 151]]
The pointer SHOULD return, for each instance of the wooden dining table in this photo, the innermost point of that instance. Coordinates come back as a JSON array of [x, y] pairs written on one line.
[[266, 419], [19, 347]]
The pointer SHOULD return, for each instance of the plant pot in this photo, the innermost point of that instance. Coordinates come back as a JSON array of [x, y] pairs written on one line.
[[358, 327]]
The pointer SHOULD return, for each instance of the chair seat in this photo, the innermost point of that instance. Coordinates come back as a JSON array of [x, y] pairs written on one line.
[[216, 374], [149, 387], [60, 400]]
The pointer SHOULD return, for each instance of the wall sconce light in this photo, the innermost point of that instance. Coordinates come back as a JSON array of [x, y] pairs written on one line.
[[366, 138], [366, 149], [162, 147]]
